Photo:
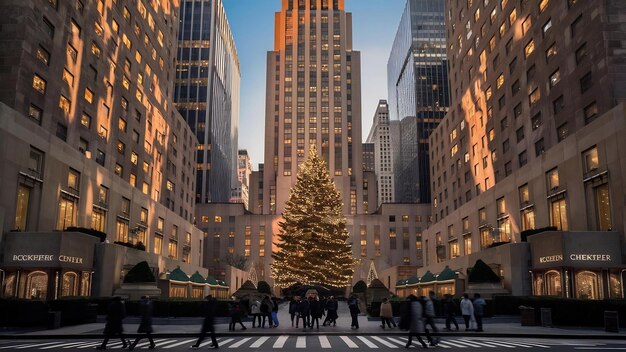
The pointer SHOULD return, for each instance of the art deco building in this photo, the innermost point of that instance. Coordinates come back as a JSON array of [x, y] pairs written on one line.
[[533, 140], [89, 138], [380, 135], [313, 98], [244, 171], [207, 95], [417, 74]]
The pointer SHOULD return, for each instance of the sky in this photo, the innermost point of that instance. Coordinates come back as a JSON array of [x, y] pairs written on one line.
[[252, 22]]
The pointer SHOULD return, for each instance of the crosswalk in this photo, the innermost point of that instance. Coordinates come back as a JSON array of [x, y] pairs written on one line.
[[315, 342]]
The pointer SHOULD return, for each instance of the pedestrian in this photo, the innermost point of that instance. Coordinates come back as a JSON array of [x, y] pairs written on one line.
[[449, 309], [331, 311], [353, 305], [293, 308], [145, 326], [303, 310], [467, 310], [255, 311], [116, 311], [275, 311], [412, 321], [386, 314], [315, 310], [236, 313], [208, 310], [266, 311], [479, 310], [429, 317]]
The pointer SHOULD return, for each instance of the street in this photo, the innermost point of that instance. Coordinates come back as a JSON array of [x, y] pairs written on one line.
[[321, 342]]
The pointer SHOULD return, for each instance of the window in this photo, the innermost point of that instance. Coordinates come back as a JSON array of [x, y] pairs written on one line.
[[590, 112], [98, 30], [467, 244], [134, 158], [516, 87], [119, 170], [551, 52], [48, 28], [530, 73], [585, 82], [133, 179], [83, 146], [577, 26], [85, 120], [603, 207], [61, 132], [536, 122], [534, 96], [543, 4], [39, 84], [517, 110], [88, 95], [558, 104], [540, 147], [581, 53], [552, 178], [172, 249], [482, 215], [21, 208], [121, 231], [500, 81], [73, 180], [508, 168], [103, 132], [67, 213], [529, 48], [528, 218], [98, 219], [526, 25], [501, 206], [505, 146], [72, 52], [95, 50], [454, 249], [546, 27], [520, 134], [65, 104], [558, 214], [158, 244], [43, 55], [35, 113], [522, 158], [562, 131], [100, 157], [121, 147], [145, 188], [143, 216], [121, 124], [486, 238], [590, 160]]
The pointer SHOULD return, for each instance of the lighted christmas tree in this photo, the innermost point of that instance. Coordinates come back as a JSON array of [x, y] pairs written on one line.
[[312, 247]]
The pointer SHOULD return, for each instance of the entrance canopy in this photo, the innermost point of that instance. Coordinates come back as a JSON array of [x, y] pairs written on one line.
[[575, 249]]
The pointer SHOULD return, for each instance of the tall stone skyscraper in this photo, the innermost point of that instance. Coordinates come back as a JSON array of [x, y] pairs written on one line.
[[418, 92], [380, 136], [313, 98], [207, 95]]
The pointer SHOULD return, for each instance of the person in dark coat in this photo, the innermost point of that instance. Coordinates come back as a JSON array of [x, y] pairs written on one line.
[[450, 308], [353, 305], [236, 313], [266, 311], [116, 311], [412, 320], [145, 326], [331, 312], [208, 309], [274, 312], [293, 309], [303, 310], [315, 312]]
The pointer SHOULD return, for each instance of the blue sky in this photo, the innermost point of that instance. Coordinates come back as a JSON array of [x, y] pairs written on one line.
[[252, 22]]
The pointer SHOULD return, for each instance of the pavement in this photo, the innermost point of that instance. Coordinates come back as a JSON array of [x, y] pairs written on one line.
[[500, 326]]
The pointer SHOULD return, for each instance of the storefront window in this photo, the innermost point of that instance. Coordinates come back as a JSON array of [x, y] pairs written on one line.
[[588, 285], [553, 283], [70, 285], [178, 291], [84, 284], [615, 286], [36, 285], [558, 214], [538, 285], [445, 289], [9, 285], [197, 292]]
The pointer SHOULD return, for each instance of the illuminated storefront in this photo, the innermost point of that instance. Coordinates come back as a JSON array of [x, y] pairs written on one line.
[[582, 265]]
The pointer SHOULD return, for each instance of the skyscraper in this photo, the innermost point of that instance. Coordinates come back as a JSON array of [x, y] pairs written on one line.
[[380, 136], [207, 95], [313, 98], [418, 90]]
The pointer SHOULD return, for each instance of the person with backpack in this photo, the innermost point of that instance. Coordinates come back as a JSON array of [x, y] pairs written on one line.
[[449, 309], [353, 305], [208, 310], [145, 326], [116, 312], [386, 314], [266, 311]]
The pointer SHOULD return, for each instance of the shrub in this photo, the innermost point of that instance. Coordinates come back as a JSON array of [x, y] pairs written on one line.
[[140, 273], [264, 287]]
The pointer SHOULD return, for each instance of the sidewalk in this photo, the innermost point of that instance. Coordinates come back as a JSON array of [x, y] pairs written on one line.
[[189, 327]]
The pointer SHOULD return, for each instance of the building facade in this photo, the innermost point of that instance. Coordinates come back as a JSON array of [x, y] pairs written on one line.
[[90, 139], [313, 99], [241, 193], [368, 157], [417, 74], [207, 95], [384, 155], [533, 143]]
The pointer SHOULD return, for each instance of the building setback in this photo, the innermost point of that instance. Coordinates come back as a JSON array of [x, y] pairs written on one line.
[[207, 95], [534, 140], [417, 74], [89, 138]]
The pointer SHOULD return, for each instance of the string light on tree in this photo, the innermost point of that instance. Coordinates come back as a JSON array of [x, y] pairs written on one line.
[[312, 247]]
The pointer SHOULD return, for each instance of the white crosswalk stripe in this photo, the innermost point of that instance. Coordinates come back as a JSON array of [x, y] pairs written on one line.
[[28, 345], [324, 342], [179, 343], [280, 342], [84, 345], [239, 343], [259, 342], [349, 342], [367, 342], [301, 342], [388, 344], [61, 345]]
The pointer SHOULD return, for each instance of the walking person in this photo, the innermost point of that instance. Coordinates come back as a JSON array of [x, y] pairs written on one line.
[[236, 313], [255, 311], [293, 308], [116, 311], [145, 326], [429, 317], [315, 310], [386, 314], [208, 310], [479, 310], [331, 312], [353, 305], [467, 310], [412, 320], [449, 309], [266, 311], [304, 310], [275, 311]]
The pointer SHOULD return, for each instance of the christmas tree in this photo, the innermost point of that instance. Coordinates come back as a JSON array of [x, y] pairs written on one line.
[[312, 248]]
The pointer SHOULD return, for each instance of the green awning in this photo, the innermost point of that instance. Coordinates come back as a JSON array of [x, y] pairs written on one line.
[[400, 282], [196, 278], [446, 274], [211, 280], [412, 280], [428, 277], [221, 283], [178, 275]]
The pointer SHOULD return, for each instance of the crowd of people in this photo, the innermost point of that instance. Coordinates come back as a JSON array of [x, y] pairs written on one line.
[[418, 316]]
